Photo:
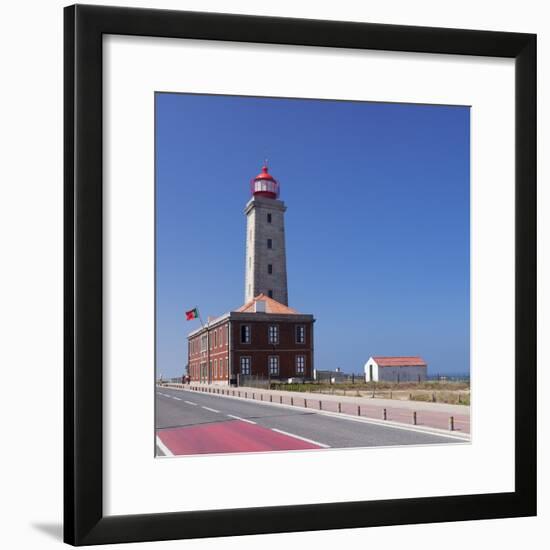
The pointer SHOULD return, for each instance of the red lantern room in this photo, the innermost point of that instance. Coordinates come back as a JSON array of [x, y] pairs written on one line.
[[264, 185]]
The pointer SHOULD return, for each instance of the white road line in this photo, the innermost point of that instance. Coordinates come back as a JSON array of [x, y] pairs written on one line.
[[239, 418], [302, 438], [176, 398], [163, 447], [364, 419], [211, 410], [190, 403]]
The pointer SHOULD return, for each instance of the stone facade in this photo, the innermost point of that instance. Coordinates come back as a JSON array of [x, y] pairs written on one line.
[[265, 268]]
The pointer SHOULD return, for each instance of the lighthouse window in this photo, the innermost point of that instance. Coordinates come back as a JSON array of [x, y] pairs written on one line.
[[245, 365], [245, 334], [269, 243], [269, 218], [273, 365], [270, 268], [273, 334]]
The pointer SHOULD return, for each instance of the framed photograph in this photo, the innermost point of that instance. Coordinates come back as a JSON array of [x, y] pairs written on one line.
[[295, 250]]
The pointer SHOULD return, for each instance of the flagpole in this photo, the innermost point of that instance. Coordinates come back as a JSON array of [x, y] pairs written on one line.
[[200, 318]]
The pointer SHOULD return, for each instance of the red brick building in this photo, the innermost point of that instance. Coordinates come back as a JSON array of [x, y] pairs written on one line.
[[263, 338]]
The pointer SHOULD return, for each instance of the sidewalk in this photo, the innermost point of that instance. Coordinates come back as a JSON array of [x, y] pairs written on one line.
[[433, 415]]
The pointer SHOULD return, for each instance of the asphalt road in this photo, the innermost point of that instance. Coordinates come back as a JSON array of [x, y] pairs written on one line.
[[200, 423]]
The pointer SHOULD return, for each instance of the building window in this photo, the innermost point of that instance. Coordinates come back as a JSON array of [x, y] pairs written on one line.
[[270, 293], [270, 268], [215, 368], [204, 340], [245, 365], [273, 334], [273, 361], [300, 334], [245, 334], [269, 243], [215, 338], [300, 364], [269, 218]]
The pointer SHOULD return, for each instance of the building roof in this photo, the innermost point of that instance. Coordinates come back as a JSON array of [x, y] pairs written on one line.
[[271, 306], [407, 361]]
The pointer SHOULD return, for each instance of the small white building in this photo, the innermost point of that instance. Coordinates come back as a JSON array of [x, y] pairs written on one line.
[[396, 369]]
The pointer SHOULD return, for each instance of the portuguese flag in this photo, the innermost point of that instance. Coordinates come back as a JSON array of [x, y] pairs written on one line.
[[192, 314]]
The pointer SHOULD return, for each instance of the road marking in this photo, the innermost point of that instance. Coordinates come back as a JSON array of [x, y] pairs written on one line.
[[302, 438], [460, 436], [211, 410], [163, 447], [239, 418], [190, 403], [176, 398]]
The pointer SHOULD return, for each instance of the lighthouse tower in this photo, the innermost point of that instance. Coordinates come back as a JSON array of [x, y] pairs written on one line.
[[265, 269]]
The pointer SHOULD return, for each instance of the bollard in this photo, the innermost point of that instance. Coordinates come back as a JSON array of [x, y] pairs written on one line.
[[414, 418], [452, 423], [358, 410], [253, 395], [239, 394], [281, 399], [385, 414], [261, 397], [246, 395], [339, 407], [320, 405], [270, 398], [292, 400], [305, 403]]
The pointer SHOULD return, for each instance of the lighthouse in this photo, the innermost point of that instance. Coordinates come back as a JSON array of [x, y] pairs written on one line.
[[265, 267], [264, 338]]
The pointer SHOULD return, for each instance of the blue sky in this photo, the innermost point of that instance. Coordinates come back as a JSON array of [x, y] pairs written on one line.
[[377, 224]]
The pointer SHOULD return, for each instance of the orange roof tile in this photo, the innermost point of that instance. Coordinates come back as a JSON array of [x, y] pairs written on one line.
[[271, 306], [410, 361]]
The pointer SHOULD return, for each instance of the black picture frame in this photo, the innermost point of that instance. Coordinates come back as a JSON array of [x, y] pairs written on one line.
[[84, 522]]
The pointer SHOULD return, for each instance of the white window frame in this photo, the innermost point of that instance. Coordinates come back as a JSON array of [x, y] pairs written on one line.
[[249, 333], [247, 359], [271, 361], [275, 329], [300, 369]]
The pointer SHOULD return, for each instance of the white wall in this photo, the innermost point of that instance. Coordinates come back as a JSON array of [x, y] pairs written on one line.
[[31, 278], [371, 363]]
